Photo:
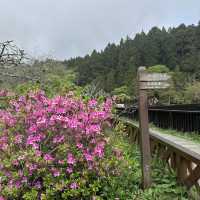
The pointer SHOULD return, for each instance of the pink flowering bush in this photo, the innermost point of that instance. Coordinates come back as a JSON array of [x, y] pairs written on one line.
[[51, 148]]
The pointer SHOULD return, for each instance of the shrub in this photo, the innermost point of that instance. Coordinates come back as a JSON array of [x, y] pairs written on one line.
[[158, 69], [5, 97], [52, 148]]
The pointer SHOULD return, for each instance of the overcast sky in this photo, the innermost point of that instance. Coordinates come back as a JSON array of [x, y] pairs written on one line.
[[68, 28]]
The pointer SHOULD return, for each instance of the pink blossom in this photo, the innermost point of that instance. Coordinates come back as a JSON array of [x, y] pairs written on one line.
[[49, 127], [15, 162], [41, 122], [32, 167], [88, 156], [59, 139], [71, 159], [93, 129], [33, 129], [69, 170], [38, 153], [37, 184], [8, 174], [35, 146], [92, 103], [17, 184], [74, 185], [18, 139], [61, 162], [48, 157], [34, 139], [99, 150], [55, 172], [3, 142], [59, 118], [83, 117], [90, 166], [108, 105], [7, 118], [97, 116], [60, 111], [73, 123], [79, 145], [1, 166], [52, 120], [16, 105], [22, 99], [3, 93], [11, 183]]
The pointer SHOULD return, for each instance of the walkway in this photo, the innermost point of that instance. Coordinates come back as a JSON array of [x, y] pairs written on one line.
[[181, 155]]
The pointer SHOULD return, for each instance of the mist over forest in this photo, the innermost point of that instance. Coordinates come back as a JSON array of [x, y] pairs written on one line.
[[114, 69]]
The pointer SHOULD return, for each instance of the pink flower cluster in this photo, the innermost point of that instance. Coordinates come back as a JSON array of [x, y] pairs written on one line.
[[3, 93], [56, 136]]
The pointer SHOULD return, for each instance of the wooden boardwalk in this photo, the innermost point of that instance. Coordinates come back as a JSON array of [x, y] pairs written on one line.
[[183, 145], [181, 155], [186, 146]]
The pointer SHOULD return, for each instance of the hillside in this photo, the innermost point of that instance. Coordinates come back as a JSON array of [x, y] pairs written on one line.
[[177, 48], [114, 69]]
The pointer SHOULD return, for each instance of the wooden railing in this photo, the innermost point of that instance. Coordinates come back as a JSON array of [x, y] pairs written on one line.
[[184, 118], [180, 155]]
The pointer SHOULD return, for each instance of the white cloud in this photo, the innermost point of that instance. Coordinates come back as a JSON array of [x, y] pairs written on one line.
[[66, 28]]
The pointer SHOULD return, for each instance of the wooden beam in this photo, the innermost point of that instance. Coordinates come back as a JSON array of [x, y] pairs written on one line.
[[144, 134], [193, 177], [182, 169]]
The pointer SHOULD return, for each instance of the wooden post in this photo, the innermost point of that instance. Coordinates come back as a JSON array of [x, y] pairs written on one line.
[[144, 134], [182, 169]]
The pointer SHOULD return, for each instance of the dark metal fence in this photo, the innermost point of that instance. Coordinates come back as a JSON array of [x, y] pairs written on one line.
[[185, 118]]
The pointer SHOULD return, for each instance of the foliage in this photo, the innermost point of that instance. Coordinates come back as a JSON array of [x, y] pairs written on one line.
[[127, 186], [5, 97], [121, 94], [93, 91], [192, 93], [56, 84], [53, 148], [53, 84], [40, 73], [175, 50], [116, 66], [192, 136], [59, 149], [164, 185], [158, 69]]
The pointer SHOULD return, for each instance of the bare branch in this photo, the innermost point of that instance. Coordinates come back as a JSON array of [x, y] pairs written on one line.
[[10, 54]]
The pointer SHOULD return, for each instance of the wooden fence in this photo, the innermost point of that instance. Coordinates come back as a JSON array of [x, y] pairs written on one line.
[[180, 155], [184, 118]]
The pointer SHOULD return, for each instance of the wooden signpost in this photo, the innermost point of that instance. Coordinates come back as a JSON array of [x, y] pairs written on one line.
[[147, 81]]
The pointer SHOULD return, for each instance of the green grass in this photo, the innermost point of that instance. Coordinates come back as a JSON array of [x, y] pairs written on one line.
[[192, 136], [164, 186]]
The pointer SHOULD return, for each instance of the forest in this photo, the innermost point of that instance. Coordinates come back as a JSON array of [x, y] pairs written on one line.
[[115, 68], [113, 71]]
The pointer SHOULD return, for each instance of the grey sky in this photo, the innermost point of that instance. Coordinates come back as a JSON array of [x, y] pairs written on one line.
[[68, 28]]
